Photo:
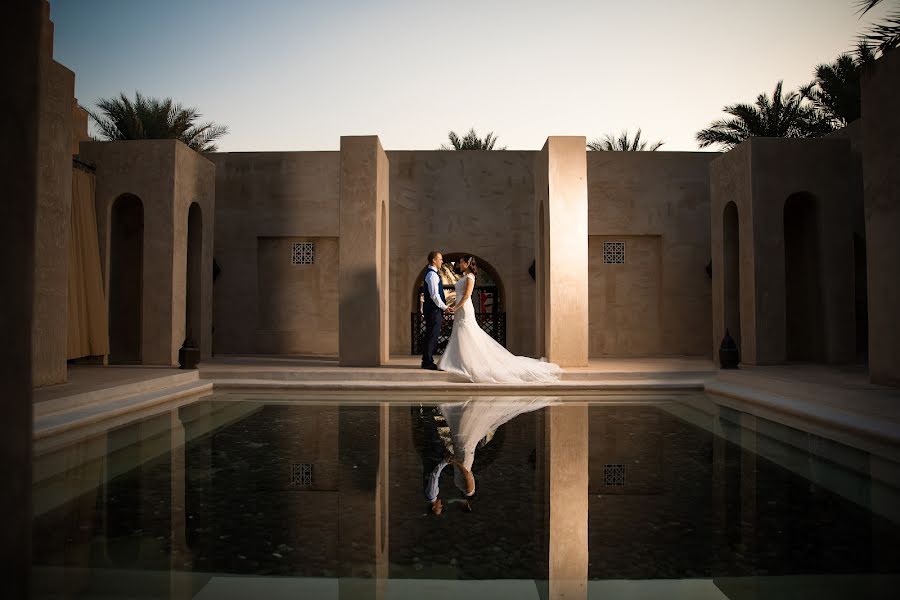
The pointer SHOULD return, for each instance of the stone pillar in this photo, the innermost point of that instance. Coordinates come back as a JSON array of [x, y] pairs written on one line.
[[561, 245], [568, 441], [20, 38], [364, 253], [881, 155], [53, 219]]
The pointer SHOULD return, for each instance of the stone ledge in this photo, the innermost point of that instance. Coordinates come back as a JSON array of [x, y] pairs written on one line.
[[85, 414], [45, 408]]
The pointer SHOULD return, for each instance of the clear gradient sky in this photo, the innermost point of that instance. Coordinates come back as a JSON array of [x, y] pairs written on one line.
[[296, 74]]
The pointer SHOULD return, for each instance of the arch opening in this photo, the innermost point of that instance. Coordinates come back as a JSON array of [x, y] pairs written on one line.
[[126, 286]]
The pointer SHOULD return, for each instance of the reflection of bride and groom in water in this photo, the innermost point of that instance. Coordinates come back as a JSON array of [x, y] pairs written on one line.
[[453, 431]]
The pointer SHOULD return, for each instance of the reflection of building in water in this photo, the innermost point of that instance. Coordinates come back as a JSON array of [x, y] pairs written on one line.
[[677, 492], [221, 488], [569, 493], [498, 539]]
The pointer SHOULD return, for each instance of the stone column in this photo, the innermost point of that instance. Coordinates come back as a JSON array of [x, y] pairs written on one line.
[[364, 256], [881, 155], [20, 38], [561, 245], [54, 209], [568, 441]]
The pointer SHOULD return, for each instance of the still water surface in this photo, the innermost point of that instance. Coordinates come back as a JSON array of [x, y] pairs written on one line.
[[265, 497]]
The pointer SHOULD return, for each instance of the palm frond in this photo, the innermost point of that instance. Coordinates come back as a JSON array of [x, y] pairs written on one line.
[[884, 36], [623, 143], [784, 114], [120, 118], [471, 141], [865, 6]]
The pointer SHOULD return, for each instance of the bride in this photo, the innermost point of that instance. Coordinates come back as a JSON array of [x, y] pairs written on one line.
[[475, 355]]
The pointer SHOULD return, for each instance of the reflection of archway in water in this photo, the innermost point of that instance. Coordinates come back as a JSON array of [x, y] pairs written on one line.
[[804, 313], [488, 298], [126, 287]]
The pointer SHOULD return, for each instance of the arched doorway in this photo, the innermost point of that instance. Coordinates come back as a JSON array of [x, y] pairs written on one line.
[[126, 279], [487, 297], [731, 271], [804, 322], [194, 281]]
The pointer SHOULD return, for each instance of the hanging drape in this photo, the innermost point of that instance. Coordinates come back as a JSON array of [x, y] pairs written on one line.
[[88, 330]]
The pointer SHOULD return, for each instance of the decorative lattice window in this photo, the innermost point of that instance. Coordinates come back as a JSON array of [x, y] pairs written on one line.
[[303, 253], [614, 253], [613, 474], [301, 474]]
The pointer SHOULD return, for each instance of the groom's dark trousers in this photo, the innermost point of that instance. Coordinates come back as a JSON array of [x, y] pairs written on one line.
[[434, 317]]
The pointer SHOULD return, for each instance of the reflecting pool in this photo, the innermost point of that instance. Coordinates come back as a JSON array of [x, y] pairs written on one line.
[[266, 496]]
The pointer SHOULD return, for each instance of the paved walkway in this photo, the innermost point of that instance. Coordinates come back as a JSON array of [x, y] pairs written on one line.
[[830, 396]]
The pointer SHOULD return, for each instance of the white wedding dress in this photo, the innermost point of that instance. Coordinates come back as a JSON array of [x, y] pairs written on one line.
[[475, 355], [478, 417]]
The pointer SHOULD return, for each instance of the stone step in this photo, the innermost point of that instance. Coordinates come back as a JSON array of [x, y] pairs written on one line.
[[400, 375], [106, 406], [71, 402]]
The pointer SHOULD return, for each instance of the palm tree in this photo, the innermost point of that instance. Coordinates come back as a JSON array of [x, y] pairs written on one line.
[[154, 119], [835, 91], [885, 35], [471, 141], [783, 115], [623, 144]]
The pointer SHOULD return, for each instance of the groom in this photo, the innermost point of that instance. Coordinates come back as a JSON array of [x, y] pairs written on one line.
[[433, 308]]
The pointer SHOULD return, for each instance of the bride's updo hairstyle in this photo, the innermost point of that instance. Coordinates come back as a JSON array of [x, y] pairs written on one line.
[[473, 265]]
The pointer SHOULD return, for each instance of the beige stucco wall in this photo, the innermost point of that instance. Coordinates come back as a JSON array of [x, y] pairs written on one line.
[[473, 201], [79, 126], [20, 168], [53, 215], [195, 179], [730, 181], [561, 203], [298, 309], [659, 301], [363, 322], [167, 177], [881, 153], [759, 176], [476, 201], [265, 198]]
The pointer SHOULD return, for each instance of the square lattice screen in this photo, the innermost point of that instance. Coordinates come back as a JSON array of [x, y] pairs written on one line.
[[614, 253], [613, 474], [303, 253], [301, 474]]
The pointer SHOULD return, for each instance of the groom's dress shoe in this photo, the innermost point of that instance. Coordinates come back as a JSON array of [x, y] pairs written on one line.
[[431, 367]]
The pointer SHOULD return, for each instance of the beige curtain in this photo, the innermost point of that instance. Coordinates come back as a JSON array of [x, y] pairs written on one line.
[[88, 333]]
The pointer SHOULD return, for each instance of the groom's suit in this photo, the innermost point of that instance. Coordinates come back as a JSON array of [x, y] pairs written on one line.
[[433, 310]]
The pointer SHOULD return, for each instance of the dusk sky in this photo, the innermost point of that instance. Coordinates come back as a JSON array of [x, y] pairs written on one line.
[[296, 75]]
